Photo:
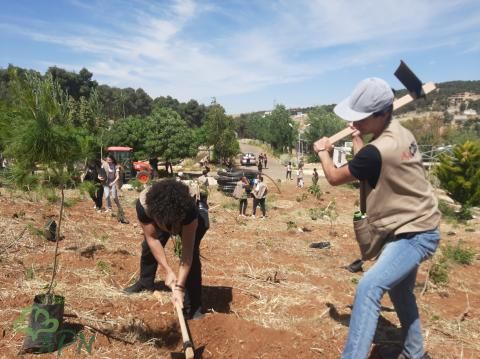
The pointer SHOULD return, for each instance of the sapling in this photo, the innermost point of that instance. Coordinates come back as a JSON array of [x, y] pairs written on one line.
[[41, 133]]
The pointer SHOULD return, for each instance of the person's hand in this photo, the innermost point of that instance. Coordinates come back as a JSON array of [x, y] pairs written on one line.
[[322, 144], [356, 132], [170, 280], [178, 295]]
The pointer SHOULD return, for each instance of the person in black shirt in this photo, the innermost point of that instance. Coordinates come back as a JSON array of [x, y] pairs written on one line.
[[163, 210], [95, 174]]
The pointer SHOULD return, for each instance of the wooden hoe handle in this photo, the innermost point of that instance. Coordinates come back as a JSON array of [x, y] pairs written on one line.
[[187, 343], [398, 103]]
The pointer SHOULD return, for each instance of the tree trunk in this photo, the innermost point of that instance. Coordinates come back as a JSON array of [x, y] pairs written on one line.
[[57, 240]]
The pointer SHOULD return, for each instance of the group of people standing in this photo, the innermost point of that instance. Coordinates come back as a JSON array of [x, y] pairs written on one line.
[[257, 190], [262, 161], [106, 178], [387, 167]]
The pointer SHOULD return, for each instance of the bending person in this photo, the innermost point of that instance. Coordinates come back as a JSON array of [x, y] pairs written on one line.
[[389, 166], [163, 210]]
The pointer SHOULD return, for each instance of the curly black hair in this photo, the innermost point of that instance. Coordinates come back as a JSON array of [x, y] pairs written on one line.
[[168, 203]]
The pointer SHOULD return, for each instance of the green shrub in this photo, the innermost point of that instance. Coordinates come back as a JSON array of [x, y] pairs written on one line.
[[291, 225], [315, 190], [177, 249], [459, 254], [449, 213], [136, 184], [301, 198], [314, 213], [439, 271], [87, 187], [459, 174], [446, 210]]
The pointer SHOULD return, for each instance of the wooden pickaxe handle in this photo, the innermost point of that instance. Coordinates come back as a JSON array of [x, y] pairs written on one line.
[[187, 343], [398, 103]]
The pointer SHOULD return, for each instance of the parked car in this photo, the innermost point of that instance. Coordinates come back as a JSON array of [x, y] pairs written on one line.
[[248, 159]]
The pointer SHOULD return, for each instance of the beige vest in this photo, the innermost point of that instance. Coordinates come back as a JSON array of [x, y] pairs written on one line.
[[403, 199]]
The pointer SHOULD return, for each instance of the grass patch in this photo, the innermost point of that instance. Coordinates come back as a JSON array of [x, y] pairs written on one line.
[[447, 211], [230, 205], [451, 215], [68, 203], [459, 254], [291, 225], [29, 273], [302, 197], [34, 231], [104, 267], [314, 213], [439, 271]]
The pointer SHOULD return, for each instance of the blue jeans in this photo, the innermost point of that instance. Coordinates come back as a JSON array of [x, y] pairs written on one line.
[[111, 191], [395, 272]]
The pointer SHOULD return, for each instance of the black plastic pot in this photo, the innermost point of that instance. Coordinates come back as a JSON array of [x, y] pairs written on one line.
[[45, 321]]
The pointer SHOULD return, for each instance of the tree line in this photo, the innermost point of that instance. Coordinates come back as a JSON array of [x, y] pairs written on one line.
[[59, 118]]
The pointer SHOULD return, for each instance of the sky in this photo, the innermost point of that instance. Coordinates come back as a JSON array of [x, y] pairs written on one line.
[[249, 55]]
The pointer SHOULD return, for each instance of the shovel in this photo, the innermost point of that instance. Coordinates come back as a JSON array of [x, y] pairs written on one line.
[[412, 84]]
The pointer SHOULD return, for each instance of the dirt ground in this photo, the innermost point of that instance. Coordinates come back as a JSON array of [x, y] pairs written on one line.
[[266, 292]]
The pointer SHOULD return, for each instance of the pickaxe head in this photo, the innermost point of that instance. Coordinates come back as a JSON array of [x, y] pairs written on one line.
[[409, 80]]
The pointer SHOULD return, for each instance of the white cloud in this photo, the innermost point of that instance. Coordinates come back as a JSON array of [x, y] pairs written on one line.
[[155, 46]]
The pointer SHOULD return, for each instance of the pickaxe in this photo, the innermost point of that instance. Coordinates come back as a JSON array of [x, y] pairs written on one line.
[[187, 343], [413, 85]]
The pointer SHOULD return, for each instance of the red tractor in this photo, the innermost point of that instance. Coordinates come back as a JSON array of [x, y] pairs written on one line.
[[124, 156]]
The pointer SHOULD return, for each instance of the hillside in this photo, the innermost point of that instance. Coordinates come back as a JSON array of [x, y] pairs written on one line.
[[266, 292], [436, 101]]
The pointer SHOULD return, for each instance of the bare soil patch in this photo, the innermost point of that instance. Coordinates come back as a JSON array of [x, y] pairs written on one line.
[[268, 295]]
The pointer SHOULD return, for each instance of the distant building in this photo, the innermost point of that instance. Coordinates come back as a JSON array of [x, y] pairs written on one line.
[[470, 113], [463, 97]]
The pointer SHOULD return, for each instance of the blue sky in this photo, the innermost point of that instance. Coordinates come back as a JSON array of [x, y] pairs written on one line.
[[248, 54]]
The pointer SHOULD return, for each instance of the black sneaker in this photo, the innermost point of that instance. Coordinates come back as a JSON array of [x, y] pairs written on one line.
[[403, 356], [355, 266], [137, 288]]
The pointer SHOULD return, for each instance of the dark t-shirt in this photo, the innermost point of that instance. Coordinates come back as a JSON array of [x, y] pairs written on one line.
[[145, 219], [366, 165]]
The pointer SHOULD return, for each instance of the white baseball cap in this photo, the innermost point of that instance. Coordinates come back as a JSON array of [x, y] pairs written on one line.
[[369, 96]]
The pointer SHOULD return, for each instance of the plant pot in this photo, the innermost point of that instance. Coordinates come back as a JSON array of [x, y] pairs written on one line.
[[45, 321]]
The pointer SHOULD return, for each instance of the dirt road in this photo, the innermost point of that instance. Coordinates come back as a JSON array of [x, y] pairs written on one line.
[[275, 169]]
